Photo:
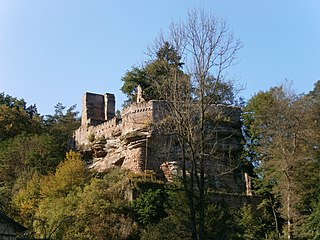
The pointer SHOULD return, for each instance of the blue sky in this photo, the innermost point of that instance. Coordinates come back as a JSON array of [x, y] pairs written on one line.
[[54, 51]]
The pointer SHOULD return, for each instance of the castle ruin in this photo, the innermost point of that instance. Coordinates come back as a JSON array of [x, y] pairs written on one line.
[[131, 143]]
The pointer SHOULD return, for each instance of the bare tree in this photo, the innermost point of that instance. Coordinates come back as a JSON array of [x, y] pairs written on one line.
[[208, 50]]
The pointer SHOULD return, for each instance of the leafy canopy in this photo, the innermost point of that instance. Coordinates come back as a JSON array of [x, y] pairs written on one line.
[[167, 60]]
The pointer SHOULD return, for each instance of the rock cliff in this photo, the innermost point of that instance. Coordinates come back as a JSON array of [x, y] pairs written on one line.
[[132, 143]]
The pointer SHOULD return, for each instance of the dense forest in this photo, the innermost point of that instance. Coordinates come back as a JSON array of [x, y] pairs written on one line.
[[47, 186], [49, 189]]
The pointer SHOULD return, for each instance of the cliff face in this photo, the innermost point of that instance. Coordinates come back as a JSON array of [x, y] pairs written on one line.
[[126, 151], [131, 142], [115, 142]]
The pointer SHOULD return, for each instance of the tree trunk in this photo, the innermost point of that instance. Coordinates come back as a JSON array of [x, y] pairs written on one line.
[[289, 222], [189, 193], [202, 159], [275, 218]]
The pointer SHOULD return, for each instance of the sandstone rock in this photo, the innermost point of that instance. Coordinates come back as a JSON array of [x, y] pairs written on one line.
[[130, 143]]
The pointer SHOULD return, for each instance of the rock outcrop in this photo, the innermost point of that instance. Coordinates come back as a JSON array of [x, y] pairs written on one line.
[[130, 142]]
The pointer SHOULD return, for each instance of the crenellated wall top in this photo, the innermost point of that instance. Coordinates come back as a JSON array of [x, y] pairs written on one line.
[[138, 107]]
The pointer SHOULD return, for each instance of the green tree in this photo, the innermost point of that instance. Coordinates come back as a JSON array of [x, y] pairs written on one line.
[[69, 175], [26, 202], [61, 126], [20, 158], [149, 206], [282, 135], [28, 153], [17, 118], [253, 225], [133, 78], [152, 74], [175, 225], [311, 226], [313, 100], [220, 223], [72, 203], [103, 212], [46, 204]]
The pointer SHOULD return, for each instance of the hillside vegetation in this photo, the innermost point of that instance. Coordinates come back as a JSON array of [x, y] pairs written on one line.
[[47, 186]]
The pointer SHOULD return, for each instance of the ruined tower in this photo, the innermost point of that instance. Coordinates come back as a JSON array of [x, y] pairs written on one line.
[[139, 94], [97, 108], [109, 106], [133, 143]]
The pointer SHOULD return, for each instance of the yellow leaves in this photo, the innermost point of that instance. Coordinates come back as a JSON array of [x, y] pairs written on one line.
[[93, 197], [68, 204], [27, 199], [48, 202], [69, 175]]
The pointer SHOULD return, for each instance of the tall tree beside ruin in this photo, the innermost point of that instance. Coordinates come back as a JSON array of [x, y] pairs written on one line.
[[163, 61], [310, 227], [208, 50], [283, 130]]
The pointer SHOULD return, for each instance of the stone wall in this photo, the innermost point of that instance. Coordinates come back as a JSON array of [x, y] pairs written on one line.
[[137, 116], [97, 108], [84, 135], [131, 142], [109, 106], [92, 109], [228, 130]]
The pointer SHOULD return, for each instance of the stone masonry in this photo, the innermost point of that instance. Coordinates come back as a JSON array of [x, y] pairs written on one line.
[[130, 142]]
